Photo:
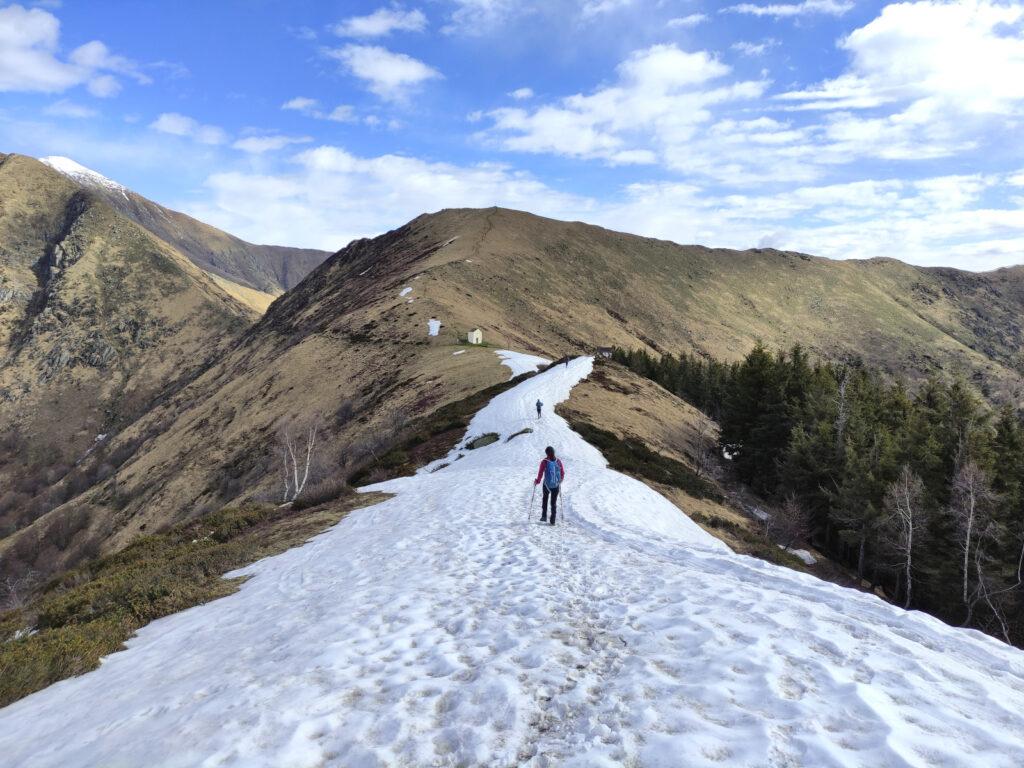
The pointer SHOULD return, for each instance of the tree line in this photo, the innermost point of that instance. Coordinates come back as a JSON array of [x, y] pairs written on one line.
[[920, 492]]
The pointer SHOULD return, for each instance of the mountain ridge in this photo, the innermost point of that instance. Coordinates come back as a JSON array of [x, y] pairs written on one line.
[[353, 342], [270, 269], [540, 286]]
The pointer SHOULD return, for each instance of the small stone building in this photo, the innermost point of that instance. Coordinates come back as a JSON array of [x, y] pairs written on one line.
[[476, 336]]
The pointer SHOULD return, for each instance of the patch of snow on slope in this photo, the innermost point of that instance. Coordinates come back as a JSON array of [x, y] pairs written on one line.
[[405, 291], [433, 326], [442, 628], [81, 174], [804, 555], [520, 362], [460, 352]]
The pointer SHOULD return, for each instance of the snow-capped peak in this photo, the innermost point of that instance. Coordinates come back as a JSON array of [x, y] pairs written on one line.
[[81, 174]]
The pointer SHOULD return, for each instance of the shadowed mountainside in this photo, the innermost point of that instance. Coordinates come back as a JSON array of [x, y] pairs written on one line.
[[97, 318]]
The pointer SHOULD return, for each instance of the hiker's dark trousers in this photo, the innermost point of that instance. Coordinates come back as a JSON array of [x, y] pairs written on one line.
[[553, 493]]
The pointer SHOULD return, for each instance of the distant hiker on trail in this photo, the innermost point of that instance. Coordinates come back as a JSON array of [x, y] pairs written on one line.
[[552, 473], [539, 406]]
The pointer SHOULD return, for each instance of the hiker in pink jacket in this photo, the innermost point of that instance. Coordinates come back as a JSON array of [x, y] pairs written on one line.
[[552, 473]]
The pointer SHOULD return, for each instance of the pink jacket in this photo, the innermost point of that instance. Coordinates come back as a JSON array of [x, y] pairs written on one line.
[[540, 472]]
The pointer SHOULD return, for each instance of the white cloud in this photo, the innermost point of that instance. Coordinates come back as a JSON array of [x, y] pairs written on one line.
[[311, 108], [687, 21], [780, 10], [661, 96], [934, 221], [477, 17], [331, 196], [591, 8], [754, 49], [29, 60], [943, 79], [95, 56], [177, 124], [257, 145], [519, 94], [343, 113], [681, 110], [382, 22], [65, 108], [301, 104], [104, 86], [387, 74], [970, 55]]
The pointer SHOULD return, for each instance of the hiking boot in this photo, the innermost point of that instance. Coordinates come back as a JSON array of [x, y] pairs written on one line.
[[544, 518]]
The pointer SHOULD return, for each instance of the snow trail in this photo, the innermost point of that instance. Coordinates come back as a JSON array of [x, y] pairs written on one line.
[[442, 627]]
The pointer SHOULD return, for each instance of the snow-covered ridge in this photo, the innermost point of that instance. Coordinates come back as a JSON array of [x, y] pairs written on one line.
[[444, 627], [519, 362], [82, 175]]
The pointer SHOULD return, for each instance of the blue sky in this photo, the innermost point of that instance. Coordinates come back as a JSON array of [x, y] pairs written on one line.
[[837, 127]]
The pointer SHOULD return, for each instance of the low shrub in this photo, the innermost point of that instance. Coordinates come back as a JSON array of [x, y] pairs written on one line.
[[321, 493], [429, 438], [90, 612], [748, 542], [635, 458]]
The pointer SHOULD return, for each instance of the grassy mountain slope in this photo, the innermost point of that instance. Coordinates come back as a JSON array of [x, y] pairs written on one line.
[[270, 269], [349, 344], [98, 317]]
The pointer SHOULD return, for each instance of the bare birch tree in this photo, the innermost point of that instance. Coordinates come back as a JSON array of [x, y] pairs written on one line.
[[971, 505], [842, 412], [904, 507], [16, 590], [296, 442]]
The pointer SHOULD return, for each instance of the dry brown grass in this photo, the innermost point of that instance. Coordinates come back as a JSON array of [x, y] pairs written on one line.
[[258, 301]]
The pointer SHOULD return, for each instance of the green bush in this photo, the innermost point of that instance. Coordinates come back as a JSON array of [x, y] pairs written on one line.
[[636, 458]]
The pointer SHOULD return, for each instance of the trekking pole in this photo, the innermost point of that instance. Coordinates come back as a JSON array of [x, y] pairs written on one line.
[[529, 511]]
